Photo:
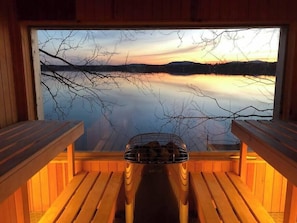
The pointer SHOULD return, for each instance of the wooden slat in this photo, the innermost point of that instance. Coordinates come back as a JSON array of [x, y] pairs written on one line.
[[268, 187], [21, 147], [21, 204], [62, 200], [220, 199], [277, 192], [115, 159], [255, 206], [45, 184], [8, 210], [268, 133], [13, 132], [235, 199], [53, 189], [283, 132], [260, 182], [250, 180], [73, 206], [36, 196], [204, 199], [31, 154], [277, 149], [89, 207], [27, 138], [106, 209], [8, 110], [90, 197], [118, 11], [290, 214]]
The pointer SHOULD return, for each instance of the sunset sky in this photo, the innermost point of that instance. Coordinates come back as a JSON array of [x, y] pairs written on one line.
[[161, 46]]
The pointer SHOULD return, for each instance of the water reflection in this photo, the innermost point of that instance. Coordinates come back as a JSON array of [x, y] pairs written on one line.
[[142, 103], [156, 193]]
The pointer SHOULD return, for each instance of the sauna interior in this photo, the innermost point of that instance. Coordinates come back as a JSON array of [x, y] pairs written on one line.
[[43, 178]]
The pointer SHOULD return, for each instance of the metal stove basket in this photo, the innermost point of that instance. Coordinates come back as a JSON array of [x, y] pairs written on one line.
[[156, 148]]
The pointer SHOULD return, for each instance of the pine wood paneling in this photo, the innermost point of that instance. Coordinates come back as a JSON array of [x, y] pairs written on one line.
[[288, 100], [290, 214], [215, 9], [277, 186], [47, 10], [268, 188], [7, 210], [250, 182], [203, 10], [23, 92], [242, 10], [15, 208], [290, 10], [94, 10], [22, 204], [276, 9], [8, 113], [56, 177], [259, 181], [28, 87], [121, 11], [265, 183]]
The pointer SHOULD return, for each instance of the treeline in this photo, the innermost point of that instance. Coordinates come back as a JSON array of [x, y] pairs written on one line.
[[177, 68]]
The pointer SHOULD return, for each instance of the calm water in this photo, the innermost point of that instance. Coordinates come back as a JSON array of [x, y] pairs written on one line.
[[199, 108]]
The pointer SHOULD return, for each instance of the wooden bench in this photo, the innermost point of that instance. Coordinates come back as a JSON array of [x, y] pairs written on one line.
[[276, 142], [223, 197], [89, 197], [26, 147]]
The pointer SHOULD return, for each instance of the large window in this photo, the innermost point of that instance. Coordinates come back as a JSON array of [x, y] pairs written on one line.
[[191, 82]]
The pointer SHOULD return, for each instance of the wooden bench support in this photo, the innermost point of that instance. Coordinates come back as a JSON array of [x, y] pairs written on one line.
[[274, 141], [290, 214], [89, 197], [70, 161], [242, 161], [223, 197], [25, 148]]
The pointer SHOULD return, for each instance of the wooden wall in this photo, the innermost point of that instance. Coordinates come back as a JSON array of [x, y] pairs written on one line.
[[17, 100], [158, 11], [13, 209], [266, 183], [7, 93], [48, 183]]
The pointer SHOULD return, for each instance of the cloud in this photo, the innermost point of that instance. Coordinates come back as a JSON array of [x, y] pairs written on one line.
[[171, 52], [162, 46]]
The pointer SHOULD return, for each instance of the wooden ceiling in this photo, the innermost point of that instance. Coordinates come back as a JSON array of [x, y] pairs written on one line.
[[152, 12]]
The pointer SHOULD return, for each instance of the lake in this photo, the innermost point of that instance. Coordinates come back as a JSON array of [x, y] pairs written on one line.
[[199, 108]]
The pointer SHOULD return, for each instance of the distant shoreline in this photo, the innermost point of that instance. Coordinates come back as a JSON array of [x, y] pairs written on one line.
[[177, 68]]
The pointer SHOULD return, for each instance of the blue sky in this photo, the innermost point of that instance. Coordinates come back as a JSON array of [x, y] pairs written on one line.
[[161, 46]]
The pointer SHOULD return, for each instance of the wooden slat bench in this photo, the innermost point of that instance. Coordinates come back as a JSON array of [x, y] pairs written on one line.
[[89, 197], [223, 197], [276, 142], [26, 147]]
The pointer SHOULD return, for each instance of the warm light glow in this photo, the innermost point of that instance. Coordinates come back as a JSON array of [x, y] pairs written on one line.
[[164, 46]]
